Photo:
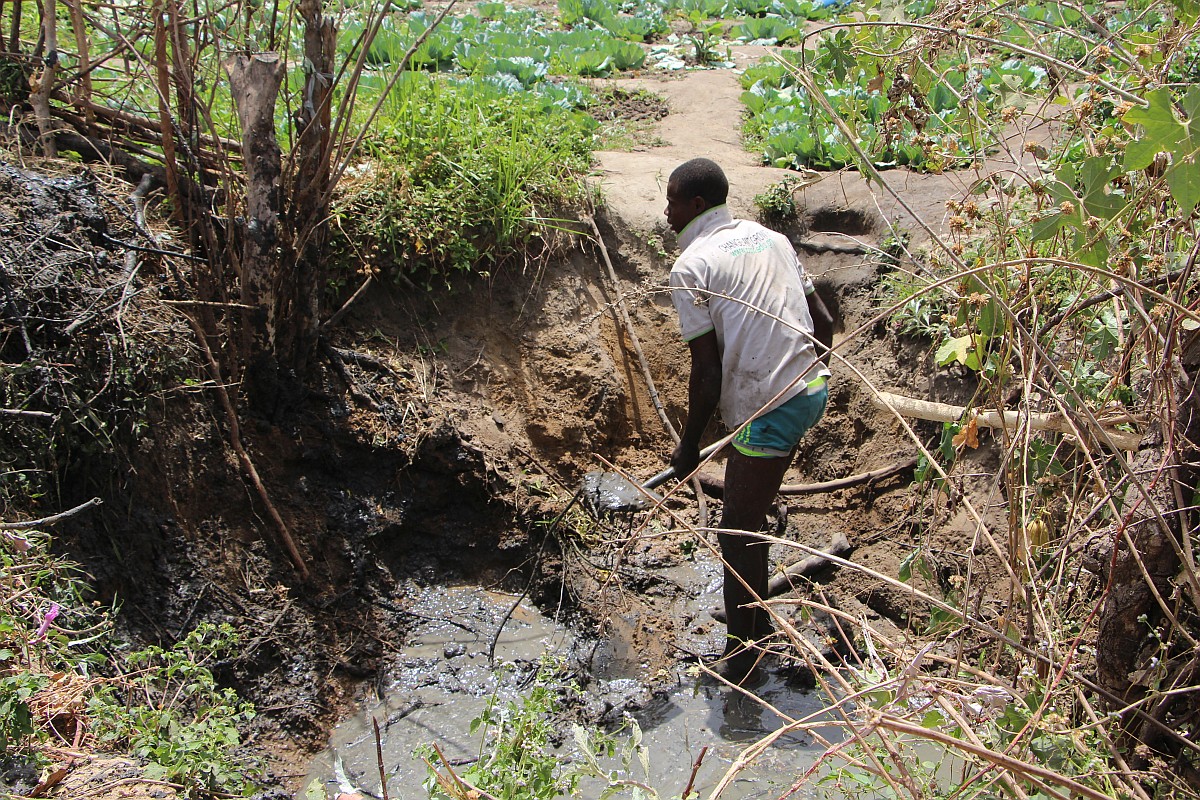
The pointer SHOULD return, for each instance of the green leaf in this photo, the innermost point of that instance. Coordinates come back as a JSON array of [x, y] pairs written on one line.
[[1164, 131], [1140, 154], [933, 719], [991, 319], [1183, 179], [1161, 127], [1096, 178], [1189, 10], [1048, 227], [959, 349], [836, 54]]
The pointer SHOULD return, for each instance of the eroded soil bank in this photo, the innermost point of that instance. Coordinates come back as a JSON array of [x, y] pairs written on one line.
[[446, 433]]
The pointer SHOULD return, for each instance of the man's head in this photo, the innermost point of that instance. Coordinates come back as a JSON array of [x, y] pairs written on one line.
[[695, 186]]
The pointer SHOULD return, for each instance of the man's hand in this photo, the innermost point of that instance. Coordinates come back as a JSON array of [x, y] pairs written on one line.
[[685, 459], [823, 324]]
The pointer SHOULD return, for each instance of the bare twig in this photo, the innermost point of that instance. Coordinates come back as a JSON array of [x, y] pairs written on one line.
[[20, 412], [687, 790], [341, 312], [39, 523], [379, 758], [1045, 777], [235, 442]]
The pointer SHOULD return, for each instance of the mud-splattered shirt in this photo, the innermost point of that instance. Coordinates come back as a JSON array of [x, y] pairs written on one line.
[[744, 282]]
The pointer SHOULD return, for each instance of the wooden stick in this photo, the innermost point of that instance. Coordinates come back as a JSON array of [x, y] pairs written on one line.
[[379, 758], [235, 441], [20, 412], [38, 523], [716, 487], [1008, 419], [687, 790]]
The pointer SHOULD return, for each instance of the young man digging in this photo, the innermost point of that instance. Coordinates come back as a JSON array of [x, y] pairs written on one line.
[[750, 317]]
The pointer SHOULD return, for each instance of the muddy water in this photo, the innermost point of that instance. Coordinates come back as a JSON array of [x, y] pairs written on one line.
[[444, 681]]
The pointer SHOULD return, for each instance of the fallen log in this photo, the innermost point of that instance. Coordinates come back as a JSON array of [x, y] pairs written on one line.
[[1106, 433]]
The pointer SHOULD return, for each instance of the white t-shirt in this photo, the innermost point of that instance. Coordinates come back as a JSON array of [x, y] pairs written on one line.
[[744, 282]]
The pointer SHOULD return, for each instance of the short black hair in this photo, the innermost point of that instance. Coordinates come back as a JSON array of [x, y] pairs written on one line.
[[701, 178]]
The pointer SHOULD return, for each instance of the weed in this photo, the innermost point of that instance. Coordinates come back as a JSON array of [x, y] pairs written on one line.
[[515, 761], [688, 547], [657, 246], [188, 729], [894, 247], [164, 707], [920, 311], [778, 203], [705, 43], [518, 761], [463, 177], [16, 690]]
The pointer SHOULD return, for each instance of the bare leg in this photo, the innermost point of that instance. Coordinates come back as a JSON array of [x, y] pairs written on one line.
[[750, 488]]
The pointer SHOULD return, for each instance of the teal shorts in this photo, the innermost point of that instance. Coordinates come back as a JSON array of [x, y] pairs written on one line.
[[775, 434]]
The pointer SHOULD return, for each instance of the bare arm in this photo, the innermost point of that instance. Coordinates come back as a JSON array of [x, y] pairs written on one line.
[[704, 393], [822, 325]]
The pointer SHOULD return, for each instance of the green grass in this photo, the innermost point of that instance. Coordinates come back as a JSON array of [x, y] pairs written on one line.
[[462, 176]]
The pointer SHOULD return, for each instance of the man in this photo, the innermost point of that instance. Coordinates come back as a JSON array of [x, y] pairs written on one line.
[[749, 314]]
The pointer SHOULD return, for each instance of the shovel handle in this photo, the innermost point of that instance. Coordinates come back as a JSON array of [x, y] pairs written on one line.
[[666, 474]]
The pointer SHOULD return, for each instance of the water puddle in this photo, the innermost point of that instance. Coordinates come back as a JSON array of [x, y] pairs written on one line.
[[444, 681]]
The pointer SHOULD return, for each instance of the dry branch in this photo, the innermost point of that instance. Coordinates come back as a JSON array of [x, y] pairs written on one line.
[[39, 98], [92, 150], [20, 412], [235, 440], [1008, 419], [38, 523]]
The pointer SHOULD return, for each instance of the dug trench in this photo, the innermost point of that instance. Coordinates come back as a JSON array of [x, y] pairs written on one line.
[[446, 434], [444, 443]]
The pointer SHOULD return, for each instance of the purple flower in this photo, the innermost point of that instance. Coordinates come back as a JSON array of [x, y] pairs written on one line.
[[20, 543], [51, 615]]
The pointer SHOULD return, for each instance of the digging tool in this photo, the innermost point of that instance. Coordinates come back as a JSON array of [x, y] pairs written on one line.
[[611, 492]]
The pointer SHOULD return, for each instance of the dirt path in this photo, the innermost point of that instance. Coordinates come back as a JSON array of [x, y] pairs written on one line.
[[705, 120]]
